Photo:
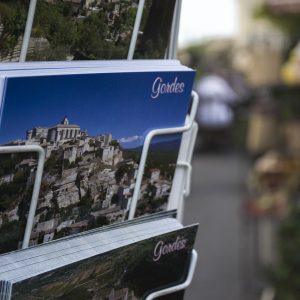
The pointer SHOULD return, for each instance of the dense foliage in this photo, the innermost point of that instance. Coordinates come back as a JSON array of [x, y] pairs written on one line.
[[68, 30], [13, 15], [286, 277]]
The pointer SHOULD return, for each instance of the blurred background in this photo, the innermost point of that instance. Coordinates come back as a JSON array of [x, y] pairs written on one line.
[[246, 166]]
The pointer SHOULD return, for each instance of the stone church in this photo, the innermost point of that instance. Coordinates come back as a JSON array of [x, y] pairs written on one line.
[[63, 131], [57, 134]]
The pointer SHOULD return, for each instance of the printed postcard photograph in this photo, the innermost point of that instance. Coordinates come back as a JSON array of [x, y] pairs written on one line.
[[92, 133], [84, 29], [130, 272]]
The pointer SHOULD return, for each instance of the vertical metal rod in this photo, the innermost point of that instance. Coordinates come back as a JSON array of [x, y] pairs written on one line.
[[183, 176], [35, 197], [28, 28], [168, 53], [136, 28], [172, 54]]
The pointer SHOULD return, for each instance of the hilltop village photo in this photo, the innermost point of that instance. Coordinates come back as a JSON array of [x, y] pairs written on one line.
[[84, 29], [87, 182], [92, 152], [97, 129], [121, 275]]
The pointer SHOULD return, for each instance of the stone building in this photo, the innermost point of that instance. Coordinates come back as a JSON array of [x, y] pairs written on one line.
[[63, 131], [162, 189], [107, 154], [155, 173], [118, 156], [37, 133], [105, 139], [57, 134], [70, 153]]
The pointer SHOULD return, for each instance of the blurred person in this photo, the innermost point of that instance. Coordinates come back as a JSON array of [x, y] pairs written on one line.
[[215, 114]]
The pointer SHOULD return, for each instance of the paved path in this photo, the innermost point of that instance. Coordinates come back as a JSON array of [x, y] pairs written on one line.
[[218, 190]]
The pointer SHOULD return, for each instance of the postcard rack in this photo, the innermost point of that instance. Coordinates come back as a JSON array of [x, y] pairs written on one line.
[[180, 188], [182, 177], [181, 184]]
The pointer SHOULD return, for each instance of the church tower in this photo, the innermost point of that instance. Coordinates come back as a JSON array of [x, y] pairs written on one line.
[[65, 121]]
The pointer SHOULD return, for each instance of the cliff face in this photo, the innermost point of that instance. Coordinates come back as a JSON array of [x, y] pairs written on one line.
[[86, 184], [81, 192]]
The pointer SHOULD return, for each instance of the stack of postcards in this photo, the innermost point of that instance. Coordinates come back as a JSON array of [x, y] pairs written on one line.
[[71, 139], [120, 262]]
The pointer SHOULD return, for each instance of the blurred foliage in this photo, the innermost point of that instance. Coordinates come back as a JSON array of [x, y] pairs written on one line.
[[289, 23], [287, 101], [208, 56], [286, 277]]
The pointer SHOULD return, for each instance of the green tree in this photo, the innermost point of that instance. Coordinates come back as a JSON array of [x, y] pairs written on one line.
[[91, 37], [13, 18], [10, 235], [98, 222], [54, 22], [121, 172]]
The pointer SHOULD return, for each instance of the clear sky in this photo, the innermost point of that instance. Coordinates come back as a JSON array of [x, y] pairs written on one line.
[[201, 19]]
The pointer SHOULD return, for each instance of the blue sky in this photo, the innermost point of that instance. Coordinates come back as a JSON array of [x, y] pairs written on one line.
[[99, 103]]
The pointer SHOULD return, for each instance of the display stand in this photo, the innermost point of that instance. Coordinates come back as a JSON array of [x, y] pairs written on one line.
[[182, 177], [180, 187]]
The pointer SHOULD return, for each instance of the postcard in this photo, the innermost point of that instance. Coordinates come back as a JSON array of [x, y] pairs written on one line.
[[92, 128], [130, 272]]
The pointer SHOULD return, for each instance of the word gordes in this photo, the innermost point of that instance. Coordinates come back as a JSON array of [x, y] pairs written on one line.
[[160, 87], [162, 248]]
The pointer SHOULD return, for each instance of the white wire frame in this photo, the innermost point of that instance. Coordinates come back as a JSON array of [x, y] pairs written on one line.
[[173, 44], [181, 286], [172, 52], [41, 160], [136, 28], [146, 146], [181, 186], [185, 163], [28, 29]]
